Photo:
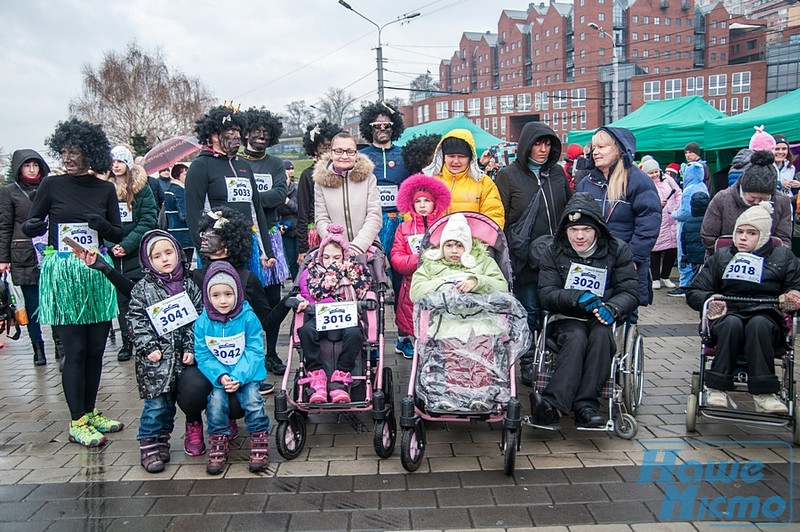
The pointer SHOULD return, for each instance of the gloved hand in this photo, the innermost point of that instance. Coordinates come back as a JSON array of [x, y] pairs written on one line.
[[98, 223], [588, 301], [34, 227], [605, 314]]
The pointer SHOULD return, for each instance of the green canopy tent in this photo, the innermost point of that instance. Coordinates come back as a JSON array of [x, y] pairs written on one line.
[[483, 139]]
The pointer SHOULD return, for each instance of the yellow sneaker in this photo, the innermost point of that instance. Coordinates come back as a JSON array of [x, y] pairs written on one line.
[[103, 424], [82, 432]]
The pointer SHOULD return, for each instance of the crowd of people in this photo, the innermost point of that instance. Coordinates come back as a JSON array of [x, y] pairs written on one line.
[[104, 240]]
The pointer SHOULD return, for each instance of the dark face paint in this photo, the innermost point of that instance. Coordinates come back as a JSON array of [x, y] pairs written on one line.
[[210, 242], [257, 139], [229, 141], [73, 160]]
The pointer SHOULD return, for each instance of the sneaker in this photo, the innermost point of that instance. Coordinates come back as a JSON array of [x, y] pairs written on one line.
[[769, 402], [405, 347], [656, 285], [446, 403], [266, 388], [678, 292], [150, 456], [275, 365], [480, 405], [193, 443], [103, 424], [667, 283], [82, 432], [218, 455], [716, 398]]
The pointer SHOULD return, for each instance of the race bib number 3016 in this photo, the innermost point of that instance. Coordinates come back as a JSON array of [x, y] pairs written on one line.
[[172, 313], [239, 189], [583, 277], [80, 233], [340, 315], [226, 349]]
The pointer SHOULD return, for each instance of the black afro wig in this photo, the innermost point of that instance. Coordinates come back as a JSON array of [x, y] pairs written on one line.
[[418, 152], [216, 120], [236, 233], [370, 111], [317, 133], [89, 138], [253, 118]]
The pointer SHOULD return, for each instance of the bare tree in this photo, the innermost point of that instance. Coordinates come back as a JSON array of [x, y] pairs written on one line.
[[421, 87], [298, 116], [336, 105], [135, 93]]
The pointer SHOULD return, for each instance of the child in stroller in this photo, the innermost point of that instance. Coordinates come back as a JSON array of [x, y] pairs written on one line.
[[332, 277], [464, 344]]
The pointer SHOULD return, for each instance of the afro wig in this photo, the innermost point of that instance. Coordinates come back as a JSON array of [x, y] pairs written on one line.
[[216, 120], [371, 111], [87, 137], [317, 133], [236, 233], [418, 152], [261, 118]]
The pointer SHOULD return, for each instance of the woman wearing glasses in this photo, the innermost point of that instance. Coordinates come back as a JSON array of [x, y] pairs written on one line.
[[346, 193]]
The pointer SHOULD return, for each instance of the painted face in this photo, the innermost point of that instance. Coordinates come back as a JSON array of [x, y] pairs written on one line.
[[382, 130], [74, 162], [163, 256], [258, 138], [119, 168], [605, 155], [754, 198], [222, 298], [343, 153], [691, 156], [30, 171], [453, 250], [540, 150], [227, 142], [781, 151], [210, 243], [332, 254], [746, 238], [456, 162], [581, 237], [423, 206]]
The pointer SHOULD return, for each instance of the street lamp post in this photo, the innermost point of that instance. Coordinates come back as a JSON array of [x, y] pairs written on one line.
[[379, 49], [614, 71]]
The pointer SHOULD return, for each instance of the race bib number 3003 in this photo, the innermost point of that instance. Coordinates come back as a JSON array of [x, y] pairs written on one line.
[[80, 233], [172, 313], [340, 315]]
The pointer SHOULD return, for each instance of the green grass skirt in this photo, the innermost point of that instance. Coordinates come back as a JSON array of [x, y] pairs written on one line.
[[71, 293]]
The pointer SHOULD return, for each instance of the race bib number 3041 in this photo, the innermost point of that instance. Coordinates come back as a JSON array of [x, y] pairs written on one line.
[[239, 189], [583, 277], [339, 315], [173, 312]]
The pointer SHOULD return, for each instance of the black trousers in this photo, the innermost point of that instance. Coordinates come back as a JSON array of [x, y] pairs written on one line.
[[83, 347], [752, 338], [582, 364], [193, 391], [309, 341], [277, 313], [661, 263]]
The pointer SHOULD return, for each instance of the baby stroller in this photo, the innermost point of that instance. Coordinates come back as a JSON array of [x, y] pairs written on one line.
[[464, 354], [696, 402], [371, 389]]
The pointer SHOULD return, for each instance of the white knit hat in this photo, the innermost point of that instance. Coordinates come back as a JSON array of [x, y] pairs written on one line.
[[121, 153], [456, 229], [760, 217]]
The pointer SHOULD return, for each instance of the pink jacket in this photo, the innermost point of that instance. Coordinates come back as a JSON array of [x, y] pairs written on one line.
[[668, 235]]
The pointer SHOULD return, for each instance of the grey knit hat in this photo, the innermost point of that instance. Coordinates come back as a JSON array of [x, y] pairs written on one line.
[[762, 176]]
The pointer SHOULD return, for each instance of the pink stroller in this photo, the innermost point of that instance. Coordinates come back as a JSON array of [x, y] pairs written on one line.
[[464, 354]]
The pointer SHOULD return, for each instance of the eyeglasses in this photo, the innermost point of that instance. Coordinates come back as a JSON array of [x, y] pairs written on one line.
[[339, 151], [381, 126]]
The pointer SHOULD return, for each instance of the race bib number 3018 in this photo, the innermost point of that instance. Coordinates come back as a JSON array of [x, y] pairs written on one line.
[[745, 267]]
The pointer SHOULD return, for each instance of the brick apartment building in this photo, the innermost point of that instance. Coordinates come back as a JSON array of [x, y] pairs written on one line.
[[547, 64]]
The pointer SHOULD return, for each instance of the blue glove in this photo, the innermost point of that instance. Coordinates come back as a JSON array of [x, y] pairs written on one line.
[[605, 314], [588, 301]]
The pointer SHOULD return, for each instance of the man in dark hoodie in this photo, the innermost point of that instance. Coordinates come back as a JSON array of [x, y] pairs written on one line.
[[587, 279], [17, 254], [534, 190]]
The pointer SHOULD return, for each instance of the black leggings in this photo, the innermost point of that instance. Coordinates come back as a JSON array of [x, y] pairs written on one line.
[[193, 391], [277, 312], [83, 347], [661, 263]]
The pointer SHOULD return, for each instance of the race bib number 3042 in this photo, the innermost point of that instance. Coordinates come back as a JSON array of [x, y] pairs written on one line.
[[172, 313], [226, 349], [239, 189], [80, 233], [339, 315]]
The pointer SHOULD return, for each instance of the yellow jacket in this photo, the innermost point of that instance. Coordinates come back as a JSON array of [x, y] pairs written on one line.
[[472, 190]]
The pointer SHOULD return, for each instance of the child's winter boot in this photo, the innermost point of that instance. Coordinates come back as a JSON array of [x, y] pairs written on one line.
[[259, 451], [217, 454], [340, 380], [164, 446], [318, 384], [150, 452]]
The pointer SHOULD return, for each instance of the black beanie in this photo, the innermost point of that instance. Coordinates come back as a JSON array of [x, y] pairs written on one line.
[[454, 145], [762, 176], [693, 147]]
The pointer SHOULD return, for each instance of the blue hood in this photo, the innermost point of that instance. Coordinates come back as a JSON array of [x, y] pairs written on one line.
[[626, 143]]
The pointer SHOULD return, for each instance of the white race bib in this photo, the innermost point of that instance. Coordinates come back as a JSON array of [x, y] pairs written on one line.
[[172, 313], [415, 242], [582, 277], [263, 182], [80, 233], [339, 315], [226, 349], [745, 267], [388, 195], [239, 189], [125, 215]]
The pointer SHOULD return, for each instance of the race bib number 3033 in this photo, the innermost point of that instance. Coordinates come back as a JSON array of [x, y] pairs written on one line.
[[172, 313]]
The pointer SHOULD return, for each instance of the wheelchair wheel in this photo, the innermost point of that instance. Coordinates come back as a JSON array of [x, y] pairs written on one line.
[[691, 413], [384, 436], [510, 452], [796, 431], [627, 427], [633, 377], [412, 447], [696, 383], [291, 436]]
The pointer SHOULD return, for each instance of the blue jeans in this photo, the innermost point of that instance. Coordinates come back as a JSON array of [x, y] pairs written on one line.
[[255, 418], [158, 416], [31, 294], [686, 272], [528, 296]]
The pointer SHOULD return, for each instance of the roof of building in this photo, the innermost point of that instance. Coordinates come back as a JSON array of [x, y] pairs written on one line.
[[516, 14]]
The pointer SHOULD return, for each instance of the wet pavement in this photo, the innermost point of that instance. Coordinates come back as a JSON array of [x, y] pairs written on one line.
[[565, 478]]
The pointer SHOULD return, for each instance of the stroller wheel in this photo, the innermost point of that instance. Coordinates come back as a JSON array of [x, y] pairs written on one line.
[[627, 427], [796, 432], [691, 413], [412, 447], [384, 436], [510, 452], [291, 436]]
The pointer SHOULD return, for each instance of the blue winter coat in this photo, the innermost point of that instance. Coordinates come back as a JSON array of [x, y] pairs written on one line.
[[690, 215]]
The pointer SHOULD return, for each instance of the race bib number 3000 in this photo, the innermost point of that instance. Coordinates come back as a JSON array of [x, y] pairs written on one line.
[[80, 233], [745, 267], [583, 277], [239, 189], [340, 315], [173, 312], [226, 349]]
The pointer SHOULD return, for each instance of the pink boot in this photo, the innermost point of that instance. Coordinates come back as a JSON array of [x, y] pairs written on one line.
[[340, 380], [318, 383]]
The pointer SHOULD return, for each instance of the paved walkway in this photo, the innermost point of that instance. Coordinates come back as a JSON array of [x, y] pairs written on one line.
[[564, 477]]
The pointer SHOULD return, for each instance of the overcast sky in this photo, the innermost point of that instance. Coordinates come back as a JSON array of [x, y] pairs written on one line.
[[266, 52]]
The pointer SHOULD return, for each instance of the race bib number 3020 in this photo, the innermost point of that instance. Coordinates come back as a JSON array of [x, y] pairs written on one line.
[[339, 315], [583, 277], [239, 189], [172, 313]]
